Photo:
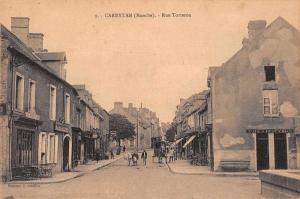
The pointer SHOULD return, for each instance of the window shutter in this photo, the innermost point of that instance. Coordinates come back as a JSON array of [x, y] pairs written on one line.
[[56, 148], [48, 148], [40, 149]]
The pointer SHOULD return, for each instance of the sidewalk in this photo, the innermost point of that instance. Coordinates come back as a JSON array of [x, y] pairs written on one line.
[[80, 170], [185, 168]]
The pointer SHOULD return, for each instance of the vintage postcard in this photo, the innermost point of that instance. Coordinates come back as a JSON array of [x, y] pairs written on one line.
[[152, 99]]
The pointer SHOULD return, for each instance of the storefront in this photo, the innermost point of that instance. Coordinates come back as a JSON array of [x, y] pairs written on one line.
[[274, 148], [24, 148], [76, 146]]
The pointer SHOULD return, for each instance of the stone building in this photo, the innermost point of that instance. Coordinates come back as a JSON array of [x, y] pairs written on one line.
[[37, 106], [91, 118], [190, 119], [148, 124], [255, 101]]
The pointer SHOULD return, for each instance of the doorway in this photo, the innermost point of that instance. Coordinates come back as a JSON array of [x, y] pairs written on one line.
[[66, 166], [262, 151], [280, 151]]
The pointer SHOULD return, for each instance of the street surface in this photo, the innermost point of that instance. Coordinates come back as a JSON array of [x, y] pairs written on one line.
[[152, 181]]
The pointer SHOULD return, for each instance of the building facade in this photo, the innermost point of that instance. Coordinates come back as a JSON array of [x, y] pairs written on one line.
[[255, 101], [146, 124], [42, 116]]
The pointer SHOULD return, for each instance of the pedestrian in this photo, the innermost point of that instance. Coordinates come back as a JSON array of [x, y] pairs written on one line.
[[129, 157], [171, 155], [135, 157], [124, 148], [144, 157], [112, 154], [97, 156]]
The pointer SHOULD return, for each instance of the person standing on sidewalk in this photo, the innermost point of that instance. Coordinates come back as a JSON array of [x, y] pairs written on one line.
[[112, 154], [144, 157]]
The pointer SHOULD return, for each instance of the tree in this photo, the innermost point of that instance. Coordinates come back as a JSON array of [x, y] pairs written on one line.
[[170, 133], [121, 125]]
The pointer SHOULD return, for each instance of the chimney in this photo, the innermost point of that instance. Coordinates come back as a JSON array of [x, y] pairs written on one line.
[[255, 28], [20, 27], [130, 105], [118, 105], [35, 41]]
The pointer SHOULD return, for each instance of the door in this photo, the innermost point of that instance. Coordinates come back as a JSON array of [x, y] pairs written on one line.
[[262, 151], [280, 151], [66, 154]]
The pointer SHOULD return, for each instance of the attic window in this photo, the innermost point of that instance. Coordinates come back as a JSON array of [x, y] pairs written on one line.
[[270, 73]]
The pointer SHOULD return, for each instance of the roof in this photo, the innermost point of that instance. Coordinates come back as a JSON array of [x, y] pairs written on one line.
[[17, 45], [52, 56]]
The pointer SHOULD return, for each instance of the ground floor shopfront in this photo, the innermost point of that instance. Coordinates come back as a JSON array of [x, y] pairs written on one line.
[[194, 146]]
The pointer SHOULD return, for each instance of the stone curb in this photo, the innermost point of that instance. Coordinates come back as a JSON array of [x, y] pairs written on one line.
[[67, 179], [217, 174]]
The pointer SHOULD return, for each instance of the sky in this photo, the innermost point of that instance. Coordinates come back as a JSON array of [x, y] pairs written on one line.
[[153, 61]]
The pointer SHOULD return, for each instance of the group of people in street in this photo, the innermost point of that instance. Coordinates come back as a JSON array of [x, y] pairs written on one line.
[[168, 153], [134, 157]]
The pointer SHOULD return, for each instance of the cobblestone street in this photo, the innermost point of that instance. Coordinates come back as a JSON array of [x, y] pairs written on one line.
[[152, 181]]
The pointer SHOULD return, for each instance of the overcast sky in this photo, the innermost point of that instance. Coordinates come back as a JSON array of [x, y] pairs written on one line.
[[153, 61]]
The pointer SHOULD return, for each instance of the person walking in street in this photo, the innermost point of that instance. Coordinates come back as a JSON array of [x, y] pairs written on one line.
[[112, 154], [144, 157], [124, 148], [171, 155], [129, 158], [135, 157]]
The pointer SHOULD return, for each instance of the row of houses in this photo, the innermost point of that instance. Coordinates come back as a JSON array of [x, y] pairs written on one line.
[[44, 120], [147, 125], [249, 118]]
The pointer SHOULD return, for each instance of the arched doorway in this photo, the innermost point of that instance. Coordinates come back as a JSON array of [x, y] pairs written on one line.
[[67, 153]]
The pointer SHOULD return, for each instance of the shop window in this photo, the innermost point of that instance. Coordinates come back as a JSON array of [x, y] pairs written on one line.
[[24, 152], [270, 103], [52, 104], [67, 108], [19, 92], [270, 73], [31, 100]]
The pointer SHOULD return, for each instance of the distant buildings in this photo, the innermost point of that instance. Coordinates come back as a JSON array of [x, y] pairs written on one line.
[[252, 107], [148, 124], [45, 121]]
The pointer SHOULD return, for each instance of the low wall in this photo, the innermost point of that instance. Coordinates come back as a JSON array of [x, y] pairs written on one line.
[[280, 183]]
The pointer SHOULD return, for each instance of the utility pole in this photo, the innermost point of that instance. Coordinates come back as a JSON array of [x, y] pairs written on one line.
[[137, 129]]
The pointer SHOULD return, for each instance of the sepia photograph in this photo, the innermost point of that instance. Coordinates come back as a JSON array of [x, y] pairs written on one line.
[[150, 99]]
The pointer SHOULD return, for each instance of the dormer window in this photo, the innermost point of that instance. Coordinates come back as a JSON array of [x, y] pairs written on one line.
[[270, 73]]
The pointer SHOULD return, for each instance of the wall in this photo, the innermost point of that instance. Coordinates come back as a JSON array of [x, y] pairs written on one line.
[[237, 93]]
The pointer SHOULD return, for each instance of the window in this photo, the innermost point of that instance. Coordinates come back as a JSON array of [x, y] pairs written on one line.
[[31, 100], [51, 152], [48, 146], [270, 103], [270, 73], [24, 152], [42, 148], [67, 108], [19, 92], [52, 105]]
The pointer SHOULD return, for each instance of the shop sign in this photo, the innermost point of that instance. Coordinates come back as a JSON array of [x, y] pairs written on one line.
[[62, 127], [270, 130]]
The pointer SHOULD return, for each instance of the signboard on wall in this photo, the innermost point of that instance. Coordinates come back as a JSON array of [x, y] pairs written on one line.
[[270, 130]]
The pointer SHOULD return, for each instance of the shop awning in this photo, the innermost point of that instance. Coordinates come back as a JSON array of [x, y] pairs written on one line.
[[189, 140]]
